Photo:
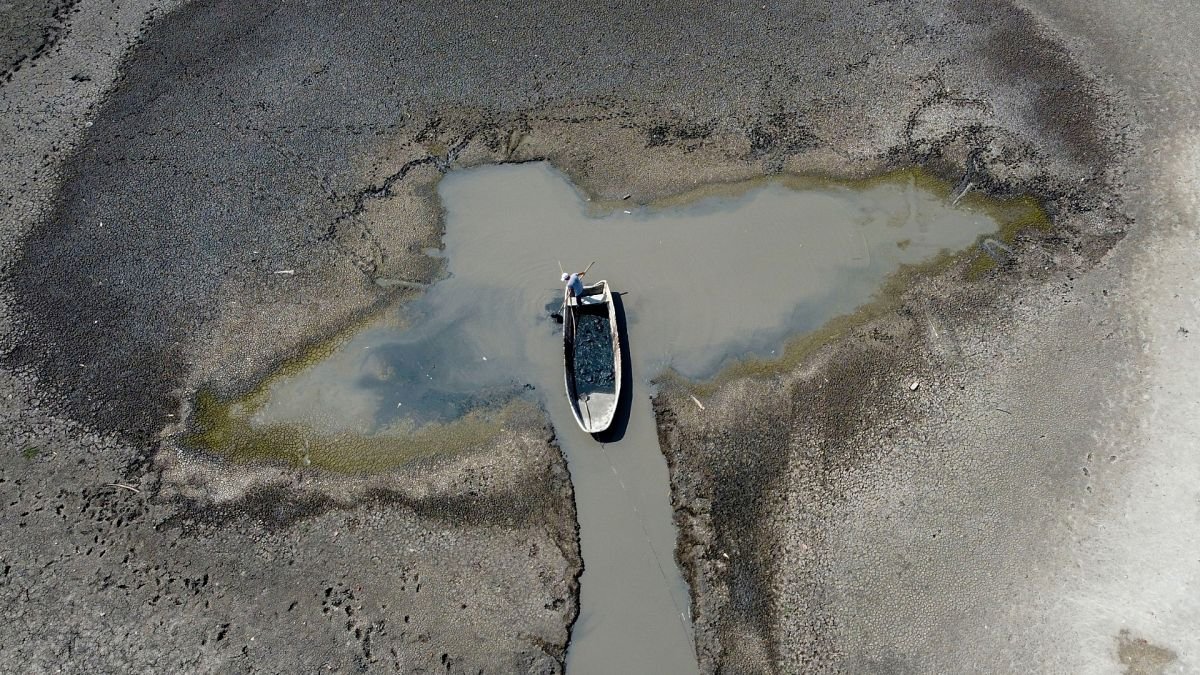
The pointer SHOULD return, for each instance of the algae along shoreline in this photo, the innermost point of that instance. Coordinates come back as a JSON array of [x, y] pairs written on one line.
[[227, 427], [973, 263], [220, 427]]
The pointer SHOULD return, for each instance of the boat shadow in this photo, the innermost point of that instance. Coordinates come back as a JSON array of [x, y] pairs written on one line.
[[620, 422]]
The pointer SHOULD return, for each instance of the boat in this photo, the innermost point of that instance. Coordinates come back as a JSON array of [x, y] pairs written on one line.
[[592, 356]]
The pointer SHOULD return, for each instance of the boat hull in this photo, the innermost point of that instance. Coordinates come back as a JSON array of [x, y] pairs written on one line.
[[592, 356]]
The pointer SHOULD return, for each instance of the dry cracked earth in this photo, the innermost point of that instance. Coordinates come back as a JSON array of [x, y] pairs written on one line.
[[1031, 506]]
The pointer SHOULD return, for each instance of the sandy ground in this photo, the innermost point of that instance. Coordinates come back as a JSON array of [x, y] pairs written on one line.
[[1021, 510]]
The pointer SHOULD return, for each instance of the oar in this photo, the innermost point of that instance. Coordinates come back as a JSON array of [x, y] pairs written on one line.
[[562, 310], [585, 271]]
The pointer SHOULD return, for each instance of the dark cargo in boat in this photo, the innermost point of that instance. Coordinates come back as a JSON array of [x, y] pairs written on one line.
[[592, 353]]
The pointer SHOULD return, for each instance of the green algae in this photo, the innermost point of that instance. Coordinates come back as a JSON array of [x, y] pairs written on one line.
[[1014, 215], [318, 350], [222, 426], [797, 350], [225, 428]]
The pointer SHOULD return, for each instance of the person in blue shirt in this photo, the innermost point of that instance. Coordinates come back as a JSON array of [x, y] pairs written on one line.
[[574, 283]]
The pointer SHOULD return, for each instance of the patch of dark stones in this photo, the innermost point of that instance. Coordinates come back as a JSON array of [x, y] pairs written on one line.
[[592, 363]]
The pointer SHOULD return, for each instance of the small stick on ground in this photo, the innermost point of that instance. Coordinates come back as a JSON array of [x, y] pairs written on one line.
[[124, 487], [698, 402], [965, 190]]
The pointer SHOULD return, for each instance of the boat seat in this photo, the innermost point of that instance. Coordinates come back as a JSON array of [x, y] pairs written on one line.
[[587, 300]]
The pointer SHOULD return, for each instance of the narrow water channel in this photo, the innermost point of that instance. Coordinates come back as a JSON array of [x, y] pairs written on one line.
[[722, 274]]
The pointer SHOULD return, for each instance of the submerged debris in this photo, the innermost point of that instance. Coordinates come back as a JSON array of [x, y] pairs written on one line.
[[997, 250]]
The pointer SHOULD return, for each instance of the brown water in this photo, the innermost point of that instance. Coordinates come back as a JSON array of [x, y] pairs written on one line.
[[727, 274]]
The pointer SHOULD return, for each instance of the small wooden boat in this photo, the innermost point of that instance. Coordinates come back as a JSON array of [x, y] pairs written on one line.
[[592, 352]]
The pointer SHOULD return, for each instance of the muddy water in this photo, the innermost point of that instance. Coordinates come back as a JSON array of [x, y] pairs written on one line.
[[724, 274]]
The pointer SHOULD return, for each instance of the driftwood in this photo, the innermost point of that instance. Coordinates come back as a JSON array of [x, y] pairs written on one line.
[[123, 487]]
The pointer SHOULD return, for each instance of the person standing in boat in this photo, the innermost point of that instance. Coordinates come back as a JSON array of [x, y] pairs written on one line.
[[574, 283]]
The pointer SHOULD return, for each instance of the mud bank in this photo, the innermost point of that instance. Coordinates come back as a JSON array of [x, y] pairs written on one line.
[[298, 570], [984, 473], [239, 141]]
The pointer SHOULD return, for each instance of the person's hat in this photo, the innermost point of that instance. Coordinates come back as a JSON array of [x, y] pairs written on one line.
[[566, 276]]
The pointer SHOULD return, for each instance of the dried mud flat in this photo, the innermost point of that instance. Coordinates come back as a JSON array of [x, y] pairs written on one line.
[[168, 160]]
